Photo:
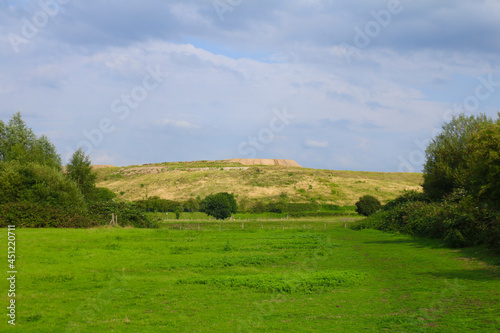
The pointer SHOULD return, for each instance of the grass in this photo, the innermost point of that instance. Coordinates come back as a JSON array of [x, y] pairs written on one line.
[[183, 180], [251, 280], [199, 216]]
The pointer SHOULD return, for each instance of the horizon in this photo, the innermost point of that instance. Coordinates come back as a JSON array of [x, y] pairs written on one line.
[[229, 160]]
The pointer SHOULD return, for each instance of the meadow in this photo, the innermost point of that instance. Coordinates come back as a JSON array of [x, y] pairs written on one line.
[[252, 280]]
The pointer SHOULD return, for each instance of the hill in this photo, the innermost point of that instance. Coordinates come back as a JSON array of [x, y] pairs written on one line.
[[184, 180]]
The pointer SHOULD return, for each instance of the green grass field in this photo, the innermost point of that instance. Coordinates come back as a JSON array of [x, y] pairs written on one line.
[[251, 280]]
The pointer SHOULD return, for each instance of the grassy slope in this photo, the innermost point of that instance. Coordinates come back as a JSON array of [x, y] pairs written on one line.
[[181, 181], [125, 280]]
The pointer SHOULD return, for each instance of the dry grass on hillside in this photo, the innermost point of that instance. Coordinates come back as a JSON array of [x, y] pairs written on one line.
[[184, 181]]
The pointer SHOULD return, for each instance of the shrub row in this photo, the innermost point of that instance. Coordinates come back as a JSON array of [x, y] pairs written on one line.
[[36, 215], [155, 204], [128, 214], [458, 224], [302, 207], [320, 214]]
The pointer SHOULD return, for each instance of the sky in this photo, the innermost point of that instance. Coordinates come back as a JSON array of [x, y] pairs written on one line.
[[340, 85]]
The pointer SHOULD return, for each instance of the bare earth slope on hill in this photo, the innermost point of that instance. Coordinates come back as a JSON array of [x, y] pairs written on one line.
[[259, 161], [184, 180]]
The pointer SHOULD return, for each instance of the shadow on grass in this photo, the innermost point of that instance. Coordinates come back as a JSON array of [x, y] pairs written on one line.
[[415, 241], [486, 256], [479, 274]]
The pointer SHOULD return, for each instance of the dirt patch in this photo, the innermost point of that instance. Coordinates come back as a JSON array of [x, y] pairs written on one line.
[[101, 166], [263, 161]]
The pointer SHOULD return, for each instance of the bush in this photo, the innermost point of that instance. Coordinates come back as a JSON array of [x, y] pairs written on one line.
[[104, 194], [457, 224], [128, 214], [374, 221], [220, 205], [367, 205], [36, 215], [155, 204], [407, 196]]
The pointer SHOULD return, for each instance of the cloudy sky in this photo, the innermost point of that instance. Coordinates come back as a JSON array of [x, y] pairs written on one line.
[[333, 84]]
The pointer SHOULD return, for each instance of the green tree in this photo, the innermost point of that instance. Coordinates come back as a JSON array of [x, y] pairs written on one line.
[[367, 205], [192, 205], [445, 169], [79, 169], [18, 142], [220, 205], [483, 162], [32, 182]]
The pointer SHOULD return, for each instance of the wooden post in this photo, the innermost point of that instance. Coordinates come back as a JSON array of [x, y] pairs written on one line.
[[325, 225], [261, 225], [114, 219], [283, 223], [242, 225], [304, 226]]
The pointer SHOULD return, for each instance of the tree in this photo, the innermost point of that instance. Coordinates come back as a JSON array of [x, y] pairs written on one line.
[[192, 205], [32, 182], [220, 205], [367, 205], [80, 171], [19, 143], [483, 165], [445, 169]]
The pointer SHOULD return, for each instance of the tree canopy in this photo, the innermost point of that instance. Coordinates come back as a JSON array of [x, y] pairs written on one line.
[[483, 164], [19, 142], [220, 205], [446, 167], [36, 183], [79, 169]]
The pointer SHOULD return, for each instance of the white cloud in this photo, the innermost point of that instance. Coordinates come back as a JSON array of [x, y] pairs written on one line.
[[316, 144], [177, 123], [225, 77]]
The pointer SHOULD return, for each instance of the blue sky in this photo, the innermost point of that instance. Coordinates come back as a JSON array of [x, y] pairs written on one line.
[[343, 85]]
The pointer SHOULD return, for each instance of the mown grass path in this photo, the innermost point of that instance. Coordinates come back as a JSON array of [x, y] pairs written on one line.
[[252, 280]]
